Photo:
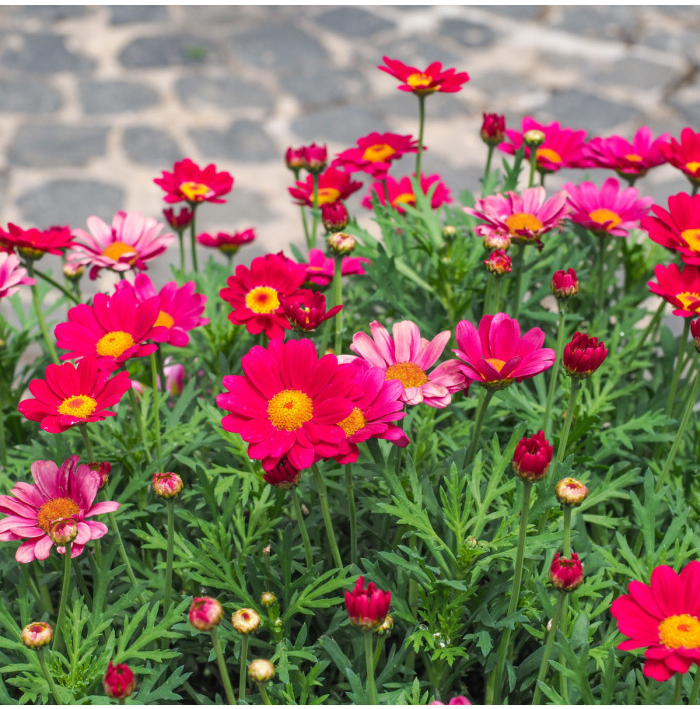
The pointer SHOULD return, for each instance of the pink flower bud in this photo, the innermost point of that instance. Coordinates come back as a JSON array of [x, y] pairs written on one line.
[[268, 599], [245, 621], [294, 157], [315, 157], [205, 613], [73, 272], [583, 355], [367, 607], [334, 216], [565, 284], [36, 635], [341, 243], [119, 682], [167, 485], [571, 492], [532, 457], [103, 469], [261, 670], [566, 574], [180, 220], [63, 531], [498, 263], [695, 333], [306, 309], [497, 240], [493, 128]]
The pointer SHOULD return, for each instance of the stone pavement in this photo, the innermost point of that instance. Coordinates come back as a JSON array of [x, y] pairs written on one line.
[[96, 100]]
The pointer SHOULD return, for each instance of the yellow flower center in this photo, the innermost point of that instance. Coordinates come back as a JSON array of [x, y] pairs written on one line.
[[680, 631], [262, 300], [289, 409], [354, 422], [601, 216], [497, 364], [404, 198], [693, 166], [692, 238], [690, 300], [117, 249], [633, 157], [164, 320], [30, 253], [55, 509], [378, 153], [194, 191], [408, 373], [523, 222], [327, 195], [421, 81], [79, 406], [114, 343], [229, 248], [549, 154]]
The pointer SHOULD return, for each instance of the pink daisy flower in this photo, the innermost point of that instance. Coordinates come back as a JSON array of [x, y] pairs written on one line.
[[113, 329], [608, 209], [407, 357], [189, 183], [57, 493], [131, 241], [180, 308], [428, 81], [679, 228], [226, 242], [680, 288], [320, 269], [333, 185], [34, 243], [401, 192], [12, 274], [375, 153], [496, 355], [685, 156]]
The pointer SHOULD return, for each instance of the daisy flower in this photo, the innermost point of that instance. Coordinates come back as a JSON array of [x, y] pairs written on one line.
[[320, 269], [12, 274], [32, 244], [58, 493], [306, 310], [684, 155], [189, 183], [333, 185], [678, 228], [288, 403], [375, 153], [401, 192], [680, 288], [407, 357], [227, 242], [131, 241], [427, 81]]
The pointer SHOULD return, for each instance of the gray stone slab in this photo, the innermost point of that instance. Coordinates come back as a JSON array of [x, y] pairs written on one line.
[[223, 92], [277, 46], [131, 14], [619, 22], [494, 84], [168, 50], [323, 84], [116, 96], [341, 124], [690, 111], [28, 96], [579, 110], [635, 73], [70, 202], [437, 106], [518, 12], [683, 42], [52, 13], [244, 141], [151, 146], [54, 145], [421, 50], [351, 21], [45, 54], [467, 34]]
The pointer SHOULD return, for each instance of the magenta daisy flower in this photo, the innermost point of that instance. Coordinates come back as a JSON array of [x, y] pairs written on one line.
[[680, 288], [422, 82], [407, 357], [131, 241], [685, 156], [678, 229], [608, 209], [288, 403], [58, 493], [375, 153], [333, 185], [226, 242], [113, 329], [34, 243], [320, 269], [401, 192], [12, 274], [180, 308], [189, 183]]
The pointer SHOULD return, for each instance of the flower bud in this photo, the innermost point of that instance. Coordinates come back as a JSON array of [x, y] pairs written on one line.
[[341, 243], [205, 613], [261, 670], [294, 157], [571, 492], [245, 621], [36, 635], [566, 574], [472, 542], [73, 272], [306, 309], [493, 128], [181, 220], [103, 469], [284, 475], [167, 485], [583, 355], [63, 531], [30, 254], [461, 700], [367, 607], [119, 682], [334, 216], [565, 284], [498, 263], [532, 457], [497, 240], [449, 233], [386, 627], [695, 333], [534, 138], [268, 599], [315, 158]]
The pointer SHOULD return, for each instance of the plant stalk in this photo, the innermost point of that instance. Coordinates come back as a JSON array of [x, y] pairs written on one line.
[[193, 236], [338, 300], [518, 265], [316, 208], [421, 128], [243, 666], [167, 591], [65, 590], [369, 662], [139, 423], [156, 404], [41, 654], [323, 497], [56, 284], [302, 528], [40, 315], [478, 424], [350, 486], [561, 334], [544, 666], [225, 679]]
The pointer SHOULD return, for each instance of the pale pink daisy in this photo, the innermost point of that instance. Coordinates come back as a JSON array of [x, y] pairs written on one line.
[[12, 275]]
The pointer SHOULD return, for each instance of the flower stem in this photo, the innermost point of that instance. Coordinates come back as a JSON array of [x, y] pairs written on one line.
[[55, 284], [338, 300], [316, 207], [170, 506], [653, 324], [518, 262], [353, 512], [40, 315], [561, 333], [305, 223], [323, 497], [479, 423], [65, 590], [369, 661], [544, 666], [156, 404], [243, 666], [180, 236], [497, 295], [263, 693], [679, 367], [693, 698], [302, 528], [47, 674], [139, 423], [3, 445], [533, 167], [421, 127], [602, 244], [488, 295], [193, 237], [678, 689], [225, 679], [86, 441], [487, 171], [561, 451], [567, 532]]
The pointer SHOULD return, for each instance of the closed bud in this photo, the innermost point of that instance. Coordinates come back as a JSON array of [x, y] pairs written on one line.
[[119, 681], [73, 272], [268, 599], [497, 240], [367, 607], [695, 333], [167, 485], [334, 216], [261, 670], [294, 157], [493, 128], [245, 621], [449, 233], [565, 284], [532, 457], [566, 574], [472, 542], [205, 613], [498, 263], [284, 475], [571, 492], [386, 627], [36, 635], [63, 531], [179, 220], [583, 355], [534, 138], [315, 158], [103, 469], [341, 243]]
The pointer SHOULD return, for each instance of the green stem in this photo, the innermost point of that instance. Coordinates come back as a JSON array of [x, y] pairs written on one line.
[[302, 528], [518, 262], [693, 698], [533, 166], [350, 486], [678, 689], [193, 236], [3, 445], [488, 296], [602, 244], [561, 333], [544, 666], [481, 414], [181, 239], [55, 284], [263, 693], [47, 674], [316, 209], [243, 669], [323, 498], [40, 316], [139, 423], [86, 441], [679, 367], [561, 451], [421, 128], [225, 679], [305, 223], [497, 295], [65, 590], [156, 404], [120, 543], [338, 300], [34, 589], [567, 532], [487, 171], [369, 662], [170, 505]]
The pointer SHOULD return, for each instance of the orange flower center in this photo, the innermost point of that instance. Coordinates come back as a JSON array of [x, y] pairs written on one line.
[[692, 238], [117, 249], [194, 191], [422, 81], [164, 320], [79, 406], [378, 153], [354, 422], [522, 221], [497, 364], [693, 166], [327, 195], [114, 343], [262, 300], [404, 198], [289, 409], [680, 631], [408, 373], [56, 509], [549, 154], [690, 300], [633, 157], [601, 216]]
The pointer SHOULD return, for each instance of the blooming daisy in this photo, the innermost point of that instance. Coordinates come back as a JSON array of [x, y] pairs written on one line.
[[227, 242], [407, 357], [320, 269], [34, 243], [333, 185], [684, 155], [427, 81], [131, 241], [678, 228], [664, 618], [680, 288], [254, 292], [306, 309], [72, 395], [401, 192], [496, 355], [288, 403], [189, 183], [375, 153], [608, 209], [12, 274]]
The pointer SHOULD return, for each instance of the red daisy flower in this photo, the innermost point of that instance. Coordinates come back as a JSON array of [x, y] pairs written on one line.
[[34, 243], [12, 275], [254, 292], [306, 310], [680, 288], [375, 153], [113, 329], [562, 147], [679, 228], [401, 192], [664, 618], [72, 395], [427, 81], [320, 268], [288, 403], [189, 183], [333, 185], [684, 155], [225, 242]]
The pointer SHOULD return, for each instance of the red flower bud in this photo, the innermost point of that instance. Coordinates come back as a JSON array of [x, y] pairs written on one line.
[[564, 284], [284, 475], [167, 485], [532, 457], [119, 682], [695, 333], [36, 635], [181, 220], [583, 355], [367, 607], [334, 216], [498, 263], [566, 574], [315, 157], [63, 531], [571, 492], [294, 157], [306, 309], [205, 613], [493, 128], [103, 469]]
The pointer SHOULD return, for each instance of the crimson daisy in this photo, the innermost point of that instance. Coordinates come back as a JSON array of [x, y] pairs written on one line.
[[254, 293], [427, 81], [333, 185], [113, 329], [684, 155], [227, 242], [32, 244], [401, 192], [678, 228], [680, 288], [320, 269], [12, 274], [72, 395], [375, 153], [288, 403], [189, 183]]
